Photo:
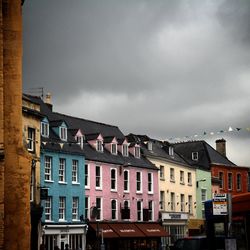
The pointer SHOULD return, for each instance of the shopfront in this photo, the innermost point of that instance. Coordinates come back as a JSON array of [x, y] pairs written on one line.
[[60, 235], [176, 224], [125, 236]]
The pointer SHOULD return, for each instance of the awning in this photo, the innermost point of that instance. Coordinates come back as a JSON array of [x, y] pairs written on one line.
[[108, 232], [152, 229], [127, 230]]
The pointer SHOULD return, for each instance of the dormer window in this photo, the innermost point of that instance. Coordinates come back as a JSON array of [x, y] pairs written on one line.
[[125, 149], [195, 156], [99, 146], [137, 151], [45, 128], [80, 140], [63, 133], [150, 146], [171, 151], [113, 148]]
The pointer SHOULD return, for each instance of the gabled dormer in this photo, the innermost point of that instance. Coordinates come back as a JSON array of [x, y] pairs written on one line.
[[123, 147], [135, 150], [111, 144], [78, 136], [60, 128], [45, 127], [96, 141]]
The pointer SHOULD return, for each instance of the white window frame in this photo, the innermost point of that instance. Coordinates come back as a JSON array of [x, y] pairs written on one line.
[[62, 208], [100, 177], [48, 209], [230, 184], [75, 171], [31, 139], [114, 209], [182, 177], [75, 208], [125, 149], [63, 133], [139, 181], [195, 156], [139, 210], [99, 209], [99, 146], [150, 183], [47, 168], [189, 174], [114, 148], [126, 181], [45, 129], [62, 170], [87, 176], [172, 175], [151, 210], [87, 207], [203, 191], [137, 151], [113, 179], [171, 151]]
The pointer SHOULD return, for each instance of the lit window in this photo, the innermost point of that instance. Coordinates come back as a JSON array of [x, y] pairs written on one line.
[[75, 204], [75, 170], [62, 208], [48, 168], [31, 139]]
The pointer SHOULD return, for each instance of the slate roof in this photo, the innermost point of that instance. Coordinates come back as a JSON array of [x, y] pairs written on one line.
[[206, 154], [159, 149], [91, 130]]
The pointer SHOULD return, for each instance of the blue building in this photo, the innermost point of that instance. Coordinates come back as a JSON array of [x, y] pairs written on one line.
[[62, 184]]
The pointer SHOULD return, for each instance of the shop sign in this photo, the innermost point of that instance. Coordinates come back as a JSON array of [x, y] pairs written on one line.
[[174, 216], [220, 204]]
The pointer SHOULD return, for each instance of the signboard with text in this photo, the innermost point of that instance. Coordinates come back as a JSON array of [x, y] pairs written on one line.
[[220, 204]]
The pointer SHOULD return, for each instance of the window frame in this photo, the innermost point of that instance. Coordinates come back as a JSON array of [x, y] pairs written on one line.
[[87, 176], [62, 208], [195, 156], [75, 208], [138, 182], [113, 180], [230, 180], [48, 208], [221, 178], [31, 141], [182, 202], [98, 187], [162, 200], [87, 208], [48, 167], [114, 148], [172, 202], [99, 209], [114, 211], [99, 146], [44, 129], [75, 171], [139, 210], [182, 177], [125, 149], [151, 210], [172, 175], [62, 171], [190, 204], [189, 177], [238, 182], [137, 151], [63, 133], [150, 183]]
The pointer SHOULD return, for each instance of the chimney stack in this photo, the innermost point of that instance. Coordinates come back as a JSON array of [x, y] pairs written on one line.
[[48, 100], [221, 146]]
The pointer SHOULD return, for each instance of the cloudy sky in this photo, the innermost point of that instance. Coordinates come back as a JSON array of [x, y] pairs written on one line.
[[168, 69]]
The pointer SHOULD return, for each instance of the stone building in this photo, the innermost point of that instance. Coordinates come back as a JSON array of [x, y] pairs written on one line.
[[15, 162]]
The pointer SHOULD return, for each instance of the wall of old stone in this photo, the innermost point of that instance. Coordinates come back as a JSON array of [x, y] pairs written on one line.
[[15, 168]]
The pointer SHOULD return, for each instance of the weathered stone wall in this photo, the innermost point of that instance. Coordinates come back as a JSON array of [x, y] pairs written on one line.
[[15, 170]]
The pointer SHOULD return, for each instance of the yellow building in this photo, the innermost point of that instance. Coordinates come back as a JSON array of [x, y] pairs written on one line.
[[32, 142]]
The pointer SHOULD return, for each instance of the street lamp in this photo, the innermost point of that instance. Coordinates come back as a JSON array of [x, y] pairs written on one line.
[[197, 182]]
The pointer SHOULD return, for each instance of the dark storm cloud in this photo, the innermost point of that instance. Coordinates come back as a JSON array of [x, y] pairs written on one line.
[[165, 68]]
